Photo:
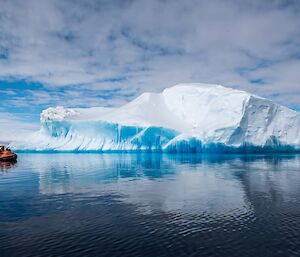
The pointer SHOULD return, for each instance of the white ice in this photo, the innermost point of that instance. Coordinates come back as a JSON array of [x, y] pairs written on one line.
[[183, 118]]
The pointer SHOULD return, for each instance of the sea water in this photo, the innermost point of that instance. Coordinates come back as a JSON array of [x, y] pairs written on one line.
[[150, 205]]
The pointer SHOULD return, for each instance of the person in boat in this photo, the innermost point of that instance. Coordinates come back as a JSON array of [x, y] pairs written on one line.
[[2, 148]]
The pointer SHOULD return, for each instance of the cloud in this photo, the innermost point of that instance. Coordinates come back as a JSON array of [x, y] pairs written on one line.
[[81, 50], [14, 128]]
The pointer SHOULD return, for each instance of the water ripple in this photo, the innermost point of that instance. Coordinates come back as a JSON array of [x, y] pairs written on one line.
[[150, 205]]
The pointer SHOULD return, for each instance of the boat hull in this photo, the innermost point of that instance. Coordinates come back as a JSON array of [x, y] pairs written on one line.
[[8, 157]]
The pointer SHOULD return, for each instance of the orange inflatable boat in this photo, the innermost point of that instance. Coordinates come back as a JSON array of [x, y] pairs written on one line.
[[7, 155]]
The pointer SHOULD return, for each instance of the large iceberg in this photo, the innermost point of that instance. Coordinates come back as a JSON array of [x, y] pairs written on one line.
[[183, 118]]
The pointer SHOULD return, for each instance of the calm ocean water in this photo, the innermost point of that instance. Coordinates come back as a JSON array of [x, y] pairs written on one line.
[[150, 205]]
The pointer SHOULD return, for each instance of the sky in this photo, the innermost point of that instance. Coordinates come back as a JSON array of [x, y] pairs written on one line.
[[106, 52]]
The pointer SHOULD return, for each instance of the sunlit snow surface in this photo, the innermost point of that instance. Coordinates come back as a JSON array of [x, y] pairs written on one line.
[[183, 118]]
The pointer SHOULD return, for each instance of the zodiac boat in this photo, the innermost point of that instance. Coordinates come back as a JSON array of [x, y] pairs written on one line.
[[7, 155]]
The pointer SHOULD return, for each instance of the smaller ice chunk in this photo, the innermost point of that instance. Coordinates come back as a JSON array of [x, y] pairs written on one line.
[[58, 113]]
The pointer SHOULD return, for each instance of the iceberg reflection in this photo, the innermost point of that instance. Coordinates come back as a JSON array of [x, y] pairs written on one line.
[[217, 184]]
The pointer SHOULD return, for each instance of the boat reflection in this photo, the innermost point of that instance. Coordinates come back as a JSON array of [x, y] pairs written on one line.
[[6, 165]]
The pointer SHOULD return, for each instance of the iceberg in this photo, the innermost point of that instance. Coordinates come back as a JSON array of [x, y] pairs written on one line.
[[183, 118]]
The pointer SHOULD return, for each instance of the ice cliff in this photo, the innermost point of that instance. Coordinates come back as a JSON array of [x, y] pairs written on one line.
[[183, 118]]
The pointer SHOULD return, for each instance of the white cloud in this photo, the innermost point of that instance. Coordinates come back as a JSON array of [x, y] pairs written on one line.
[[14, 128], [154, 44]]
